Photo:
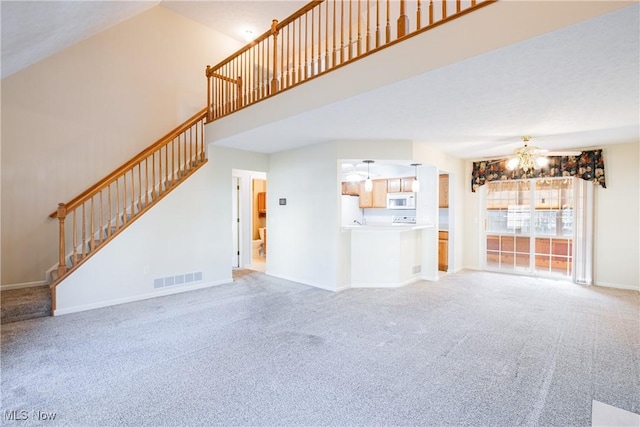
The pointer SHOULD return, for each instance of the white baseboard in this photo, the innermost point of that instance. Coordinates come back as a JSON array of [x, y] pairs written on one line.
[[387, 285], [154, 294], [22, 285], [617, 286], [302, 282]]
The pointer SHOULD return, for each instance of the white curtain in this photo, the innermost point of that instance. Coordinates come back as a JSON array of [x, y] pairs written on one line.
[[583, 232]]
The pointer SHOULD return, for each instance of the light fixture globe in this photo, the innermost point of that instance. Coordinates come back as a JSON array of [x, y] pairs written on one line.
[[415, 185], [368, 184]]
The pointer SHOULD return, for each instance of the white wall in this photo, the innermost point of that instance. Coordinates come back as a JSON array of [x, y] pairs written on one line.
[[303, 234], [455, 167], [175, 237], [617, 219], [227, 162], [72, 118]]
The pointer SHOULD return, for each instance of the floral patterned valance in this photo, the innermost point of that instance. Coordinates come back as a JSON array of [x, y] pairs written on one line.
[[589, 166]]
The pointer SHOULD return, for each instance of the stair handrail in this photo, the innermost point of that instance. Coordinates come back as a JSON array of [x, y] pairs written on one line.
[[85, 195], [129, 190], [273, 62]]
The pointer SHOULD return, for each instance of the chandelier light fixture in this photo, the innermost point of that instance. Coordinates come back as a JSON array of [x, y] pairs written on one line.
[[368, 184], [415, 185], [527, 157]]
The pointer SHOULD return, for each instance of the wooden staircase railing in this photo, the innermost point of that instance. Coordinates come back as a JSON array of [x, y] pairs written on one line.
[[320, 37], [96, 216]]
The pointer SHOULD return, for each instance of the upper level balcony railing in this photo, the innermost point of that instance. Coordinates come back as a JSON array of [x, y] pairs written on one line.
[[320, 37]]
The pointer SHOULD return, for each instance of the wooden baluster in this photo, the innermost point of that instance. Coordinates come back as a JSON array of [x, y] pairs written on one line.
[[202, 142], [133, 194], [300, 47], [350, 50], [283, 83], [359, 46], [313, 50], [62, 264], [101, 217], [333, 56], [430, 12], [84, 231], [403, 20], [341, 31], [368, 40], [419, 15], [458, 6], [327, 64], [320, 68], [184, 157], [92, 241], [117, 205], [139, 186], [274, 33], [473, 3], [306, 46], [209, 100], [444, 9], [377, 23], [388, 27], [124, 202], [75, 239], [155, 193], [146, 180], [109, 216]]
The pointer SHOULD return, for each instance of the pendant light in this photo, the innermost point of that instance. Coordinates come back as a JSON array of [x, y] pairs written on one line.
[[415, 185], [368, 184]]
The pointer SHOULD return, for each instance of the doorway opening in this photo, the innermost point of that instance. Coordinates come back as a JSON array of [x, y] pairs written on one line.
[[249, 219], [259, 224]]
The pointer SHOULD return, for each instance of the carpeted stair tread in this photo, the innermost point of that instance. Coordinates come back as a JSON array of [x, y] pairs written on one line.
[[25, 303]]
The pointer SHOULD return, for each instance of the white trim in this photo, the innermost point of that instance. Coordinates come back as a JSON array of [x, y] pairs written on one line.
[[430, 278], [149, 295], [617, 286], [387, 285], [23, 285], [302, 282]]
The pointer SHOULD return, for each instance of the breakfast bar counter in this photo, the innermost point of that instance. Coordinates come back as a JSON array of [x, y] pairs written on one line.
[[388, 255]]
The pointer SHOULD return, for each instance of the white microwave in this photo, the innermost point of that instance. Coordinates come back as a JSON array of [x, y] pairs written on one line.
[[401, 200]]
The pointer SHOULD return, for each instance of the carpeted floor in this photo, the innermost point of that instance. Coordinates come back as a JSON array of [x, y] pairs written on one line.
[[474, 349]]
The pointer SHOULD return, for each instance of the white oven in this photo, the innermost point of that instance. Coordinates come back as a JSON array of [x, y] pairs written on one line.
[[401, 200]]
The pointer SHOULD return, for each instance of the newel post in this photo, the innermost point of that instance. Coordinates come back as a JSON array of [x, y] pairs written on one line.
[[240, 94], [274, 80], [62, 215], [209, 109], [403, 20]]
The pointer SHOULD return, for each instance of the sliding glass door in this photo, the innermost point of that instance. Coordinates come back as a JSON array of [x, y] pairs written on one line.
[[529, 226]]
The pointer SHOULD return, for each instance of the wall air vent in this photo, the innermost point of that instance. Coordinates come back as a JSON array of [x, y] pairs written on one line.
[[180, 279]]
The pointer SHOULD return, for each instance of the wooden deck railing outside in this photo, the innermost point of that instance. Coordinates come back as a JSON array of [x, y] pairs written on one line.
[[320, 37], [102, 211]]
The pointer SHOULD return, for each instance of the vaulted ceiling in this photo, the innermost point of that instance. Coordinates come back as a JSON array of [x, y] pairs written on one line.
[[575, 87]]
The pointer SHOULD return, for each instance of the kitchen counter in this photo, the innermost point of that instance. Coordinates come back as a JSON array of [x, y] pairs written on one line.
[[386, 227], [386, 255]]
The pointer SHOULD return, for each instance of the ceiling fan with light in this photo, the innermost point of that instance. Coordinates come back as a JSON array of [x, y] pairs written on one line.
[[530, 157], [356, 173]]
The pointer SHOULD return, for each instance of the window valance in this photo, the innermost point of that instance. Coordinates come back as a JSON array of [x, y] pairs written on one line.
[[589, 166]]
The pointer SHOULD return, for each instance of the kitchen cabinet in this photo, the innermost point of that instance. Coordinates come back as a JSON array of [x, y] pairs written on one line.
[[443, 183], [350, 189], [394, 185], [262, 202], [377, 198], [443, 250], [407, 184]]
